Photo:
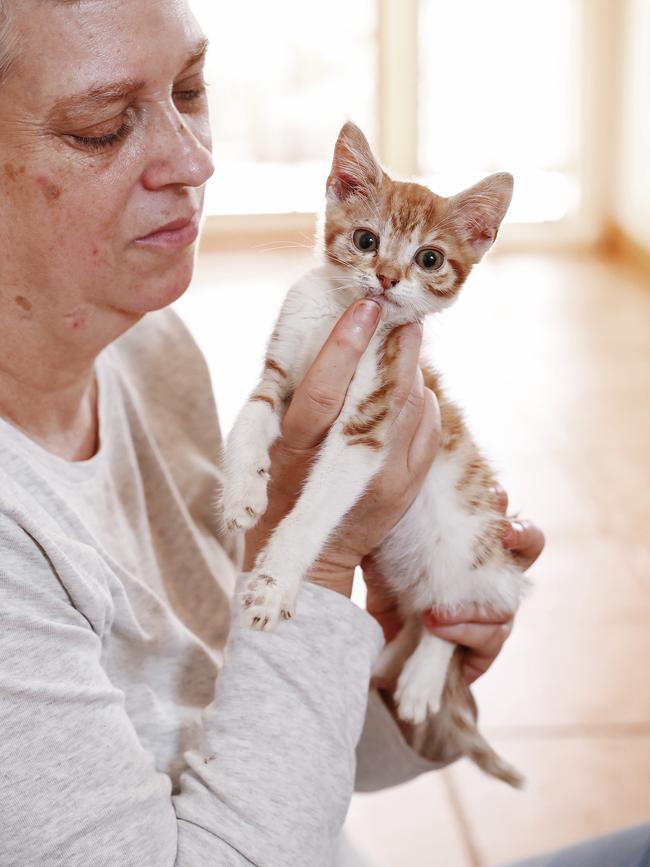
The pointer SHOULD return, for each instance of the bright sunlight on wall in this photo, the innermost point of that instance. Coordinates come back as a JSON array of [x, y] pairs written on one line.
[[499, 90]]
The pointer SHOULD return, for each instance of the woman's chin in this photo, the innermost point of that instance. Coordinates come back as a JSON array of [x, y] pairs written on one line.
[[163, 289]]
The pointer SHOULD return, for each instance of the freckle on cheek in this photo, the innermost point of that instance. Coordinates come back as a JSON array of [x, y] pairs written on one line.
[[23, 302], [50, 189], [10, 171]]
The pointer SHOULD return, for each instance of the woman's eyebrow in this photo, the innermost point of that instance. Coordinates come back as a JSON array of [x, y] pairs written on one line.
[[98, 96], [197, 54]]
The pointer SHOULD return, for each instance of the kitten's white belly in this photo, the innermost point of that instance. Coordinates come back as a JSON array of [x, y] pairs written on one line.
[[428, 556]]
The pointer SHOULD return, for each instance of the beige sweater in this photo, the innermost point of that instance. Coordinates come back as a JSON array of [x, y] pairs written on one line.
[[141, 723]]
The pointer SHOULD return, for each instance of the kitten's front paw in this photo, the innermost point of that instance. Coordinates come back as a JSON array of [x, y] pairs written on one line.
[[267, 602], [245, 500], [418, 694]]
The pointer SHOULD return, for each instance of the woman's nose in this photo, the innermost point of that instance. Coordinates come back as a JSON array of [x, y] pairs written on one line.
[[181, 157]]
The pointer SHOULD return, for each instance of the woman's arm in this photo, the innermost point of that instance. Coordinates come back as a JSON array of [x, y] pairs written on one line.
[[268, 780]]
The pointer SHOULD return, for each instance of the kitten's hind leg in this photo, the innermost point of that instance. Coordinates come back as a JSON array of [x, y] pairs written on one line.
[[394, 654], [421, 683]]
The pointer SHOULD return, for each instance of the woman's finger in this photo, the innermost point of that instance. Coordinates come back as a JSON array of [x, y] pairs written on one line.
[[426, 440], [526, 540], [402, 366], [472, 613], [408, 420], [482, 641], [480, 637], [318, 399]]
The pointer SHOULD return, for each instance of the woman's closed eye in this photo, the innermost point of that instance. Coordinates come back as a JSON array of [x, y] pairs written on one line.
[[106, 134], [189, 97]]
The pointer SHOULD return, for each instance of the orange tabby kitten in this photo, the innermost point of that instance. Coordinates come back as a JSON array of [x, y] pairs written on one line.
[[410, 250]]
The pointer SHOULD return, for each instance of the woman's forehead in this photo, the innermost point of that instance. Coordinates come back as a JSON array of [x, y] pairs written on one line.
[[84, 47]]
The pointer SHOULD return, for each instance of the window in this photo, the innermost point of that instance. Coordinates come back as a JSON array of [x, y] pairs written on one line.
[[499, 91], [447, 92], [284, 77]]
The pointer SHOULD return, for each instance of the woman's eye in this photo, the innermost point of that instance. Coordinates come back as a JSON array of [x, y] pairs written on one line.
[[188, 96], [102, 142], [365, 241], [430, 260], [106, 140]]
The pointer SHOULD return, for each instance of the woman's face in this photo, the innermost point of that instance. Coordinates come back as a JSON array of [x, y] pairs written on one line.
[[104, 139]]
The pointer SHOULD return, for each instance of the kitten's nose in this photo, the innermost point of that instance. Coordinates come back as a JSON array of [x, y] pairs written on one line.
[[387, 282]]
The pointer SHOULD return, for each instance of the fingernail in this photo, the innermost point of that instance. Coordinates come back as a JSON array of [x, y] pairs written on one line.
[[429, 621], [511, 535], [434, 618], [366, 313]]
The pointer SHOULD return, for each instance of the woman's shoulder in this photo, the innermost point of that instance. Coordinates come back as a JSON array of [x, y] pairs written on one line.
[[45, 575], [169, 377]]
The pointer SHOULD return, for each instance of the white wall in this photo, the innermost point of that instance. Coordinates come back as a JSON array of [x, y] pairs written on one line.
[[632, 187]]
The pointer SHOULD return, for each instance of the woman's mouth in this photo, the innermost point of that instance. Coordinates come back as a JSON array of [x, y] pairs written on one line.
[[179, 233]]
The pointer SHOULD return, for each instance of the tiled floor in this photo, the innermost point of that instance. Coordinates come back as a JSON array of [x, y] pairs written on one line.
[[550, 356]]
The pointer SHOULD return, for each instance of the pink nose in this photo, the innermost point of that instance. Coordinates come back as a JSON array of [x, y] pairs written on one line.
[[387, 282]]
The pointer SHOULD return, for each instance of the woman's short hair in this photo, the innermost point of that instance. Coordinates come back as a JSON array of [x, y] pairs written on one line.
[[6, 41]]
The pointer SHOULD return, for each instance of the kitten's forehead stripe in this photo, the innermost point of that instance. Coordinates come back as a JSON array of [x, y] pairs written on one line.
[[412, 208]]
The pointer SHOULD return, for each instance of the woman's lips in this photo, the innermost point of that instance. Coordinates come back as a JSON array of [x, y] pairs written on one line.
[[179, 233]]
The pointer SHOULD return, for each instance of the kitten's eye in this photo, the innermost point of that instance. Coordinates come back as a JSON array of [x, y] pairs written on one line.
[[430, 260], [365, 241]]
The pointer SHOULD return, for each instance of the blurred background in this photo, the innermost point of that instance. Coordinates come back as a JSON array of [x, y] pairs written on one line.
[[547, 349]]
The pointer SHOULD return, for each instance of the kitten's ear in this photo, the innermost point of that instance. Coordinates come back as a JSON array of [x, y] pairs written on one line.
[[354, 171], [480, 210]]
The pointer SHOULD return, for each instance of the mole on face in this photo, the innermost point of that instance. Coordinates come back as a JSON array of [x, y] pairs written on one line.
[[77, 318], [50, 189], [12, 172], [23, 302]]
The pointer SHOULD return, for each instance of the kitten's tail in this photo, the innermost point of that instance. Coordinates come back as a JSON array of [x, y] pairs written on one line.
[[460, 708]]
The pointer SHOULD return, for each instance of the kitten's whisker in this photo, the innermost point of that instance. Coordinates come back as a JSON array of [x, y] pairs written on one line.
[[271, 246]]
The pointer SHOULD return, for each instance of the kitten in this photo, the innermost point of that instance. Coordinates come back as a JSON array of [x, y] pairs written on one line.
[[411, 250]]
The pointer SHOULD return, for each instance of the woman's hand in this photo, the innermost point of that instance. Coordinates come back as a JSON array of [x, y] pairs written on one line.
[[482, 634], [316, 403]]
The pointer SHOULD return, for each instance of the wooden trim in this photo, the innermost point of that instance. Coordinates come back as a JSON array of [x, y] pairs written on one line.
[[398, 86], [247, 231], [601, 62], [618, 244]]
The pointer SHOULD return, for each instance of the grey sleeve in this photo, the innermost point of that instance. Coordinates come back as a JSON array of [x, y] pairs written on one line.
[[272, 778], [384, 757]]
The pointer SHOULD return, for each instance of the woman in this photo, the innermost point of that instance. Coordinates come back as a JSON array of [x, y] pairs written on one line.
[[114, 579]]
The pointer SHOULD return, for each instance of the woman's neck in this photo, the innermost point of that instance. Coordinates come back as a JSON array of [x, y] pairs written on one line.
[[47, 379], [64, 422]]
